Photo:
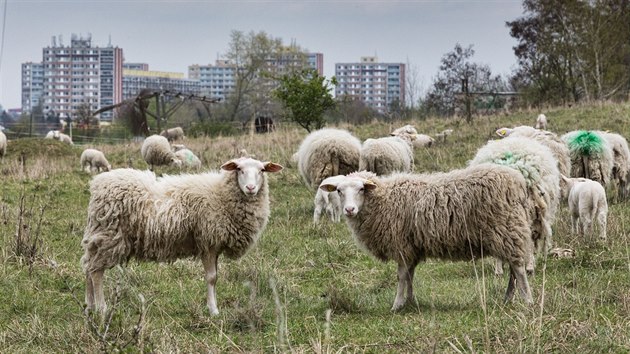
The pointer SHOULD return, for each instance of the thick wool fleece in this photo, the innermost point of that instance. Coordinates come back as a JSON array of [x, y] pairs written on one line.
[[3, 144], [621, 159], [95, 159], [133, 214], [173, 134], [384, 156], [325, 153], [188, 158], [591, 155], [460, 215], [558, 147], [157, 151]]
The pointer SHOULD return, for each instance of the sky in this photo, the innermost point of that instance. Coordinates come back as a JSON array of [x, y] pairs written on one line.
[[170, 35]]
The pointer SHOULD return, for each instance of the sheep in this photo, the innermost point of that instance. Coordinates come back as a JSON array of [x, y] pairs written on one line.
[[327, 201], [188, 158], [65, 138], [587, 199], [325, 153], [557, 146], [418, 140], [464, 214], [591, 155], [156, 151], [539, 168], [52, 134], [132, 213], [441, 137], [93, 160], [621, 161], [173, 134], [541, 122], [3, 144], [384, 156]]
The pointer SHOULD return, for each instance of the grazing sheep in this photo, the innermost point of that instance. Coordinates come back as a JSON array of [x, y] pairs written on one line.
[[326, 153], [188, 158], [587, 200], [133, 214], [156, 151], [418, 140], [557, 146], [464, 214], [93, 160], [52, 134], [173, 134], [591, 155], [621, 161], [384, 156], [327, 201], [3, 144], [539, 168], [441, 137], [65, 138], [541, 122]]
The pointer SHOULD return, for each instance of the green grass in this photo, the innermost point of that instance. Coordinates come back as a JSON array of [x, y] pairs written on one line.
[[277, 296]]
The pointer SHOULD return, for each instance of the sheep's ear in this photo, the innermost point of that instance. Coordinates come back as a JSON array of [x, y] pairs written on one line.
[[229, 166], [369, 185], [501, 132], [328, 187], [392, 134], [272, 167]]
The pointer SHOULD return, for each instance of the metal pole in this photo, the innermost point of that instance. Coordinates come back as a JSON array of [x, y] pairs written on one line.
[[30, 126], [157, 113]]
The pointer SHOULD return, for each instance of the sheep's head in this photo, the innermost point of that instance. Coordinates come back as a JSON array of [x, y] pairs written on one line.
[[503, 132], [250, 173], [351, 191]]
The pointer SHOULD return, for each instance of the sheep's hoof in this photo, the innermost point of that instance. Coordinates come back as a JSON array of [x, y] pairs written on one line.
[[397, 307], [498, 272], [214, 312], [529, 272]]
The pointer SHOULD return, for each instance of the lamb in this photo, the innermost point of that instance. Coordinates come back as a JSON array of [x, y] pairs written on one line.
[[327, 201], [52, 134], [538, 166], [3, 144], [325, 153], [621, 161], [93, 160], [188, 158], [65, 138], [482, 210], [173, 134], [541, 122], [591, 155], [156, 151], [384, 156], [441, 137], [132, 213], [587, 199]]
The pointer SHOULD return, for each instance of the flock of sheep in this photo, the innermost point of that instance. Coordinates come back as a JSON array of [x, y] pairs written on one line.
[[503, 204]]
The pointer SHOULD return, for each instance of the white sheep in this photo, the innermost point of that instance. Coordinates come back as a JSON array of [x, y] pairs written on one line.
[[621, 161], [384, 156], [133, 214], [541, 122], [52, 134], [325, 153], [591, 155], [587, 201], [188, 158], [418, 140], [441, 137], [3, 144], [65, 138], [173, 134], [539, 168], [156, 151], [326, 201], [464, 214], [93, 160]]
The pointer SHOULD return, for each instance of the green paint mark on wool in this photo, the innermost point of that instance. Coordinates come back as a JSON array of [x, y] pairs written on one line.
[[586, 143], [519, 163]]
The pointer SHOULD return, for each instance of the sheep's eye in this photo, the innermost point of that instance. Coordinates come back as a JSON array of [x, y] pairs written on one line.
[[362, 189], [339, 192]]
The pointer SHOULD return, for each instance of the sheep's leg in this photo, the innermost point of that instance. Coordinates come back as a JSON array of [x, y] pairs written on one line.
[[574, 224], [210, 267], [509, 293], [317, 213], [498, 267], [89, 293], [601, 219], [523, 284], [405, 284], [97, 287]]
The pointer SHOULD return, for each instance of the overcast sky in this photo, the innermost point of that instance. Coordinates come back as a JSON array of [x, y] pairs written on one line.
[[170, 35]]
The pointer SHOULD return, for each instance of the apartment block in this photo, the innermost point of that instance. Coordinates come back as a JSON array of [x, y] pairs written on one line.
[[32, 85], [376, 84], [135, 80]]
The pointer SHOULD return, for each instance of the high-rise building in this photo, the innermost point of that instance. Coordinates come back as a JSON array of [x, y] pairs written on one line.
[[378, 85], [81, 74], [32, 85], [135, 80]]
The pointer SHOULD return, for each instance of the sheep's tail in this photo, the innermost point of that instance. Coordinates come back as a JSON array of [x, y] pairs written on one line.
[[586, 166], [335, 165], [586, 143]]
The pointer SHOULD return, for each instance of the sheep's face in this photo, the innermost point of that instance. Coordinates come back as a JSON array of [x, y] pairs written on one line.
[[503, 132], [351, 193], [250, 172]]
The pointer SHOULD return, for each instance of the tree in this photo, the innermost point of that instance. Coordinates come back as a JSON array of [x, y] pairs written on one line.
[[306, 96]]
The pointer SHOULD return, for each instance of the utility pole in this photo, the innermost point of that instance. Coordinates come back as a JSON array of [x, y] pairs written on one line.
[[30, 126], [157, 112]]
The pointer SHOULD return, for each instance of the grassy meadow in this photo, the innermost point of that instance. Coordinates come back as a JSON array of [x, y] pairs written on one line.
[[303, 288]]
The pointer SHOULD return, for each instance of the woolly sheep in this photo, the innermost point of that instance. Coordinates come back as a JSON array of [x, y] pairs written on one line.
[[327, 201], [65, 138], [188, 158], [384, 156], [621, 161], [173, 134], [541, 122], [52, 134], [418, 140], [443, 135], [538, 166], [133, 214], [587, 200], [591, 155], [93, 160], [156, 151], [3, 144], [460, 215], [557, 146], [325, 153]]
